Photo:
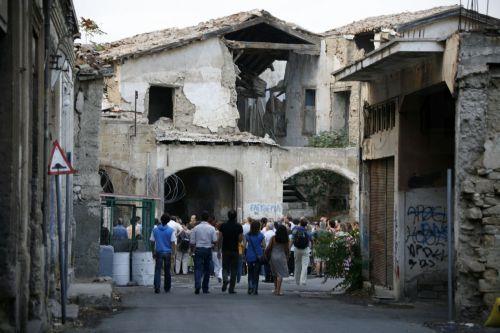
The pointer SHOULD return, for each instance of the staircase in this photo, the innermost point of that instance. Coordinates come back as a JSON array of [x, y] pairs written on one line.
[[294, 202]]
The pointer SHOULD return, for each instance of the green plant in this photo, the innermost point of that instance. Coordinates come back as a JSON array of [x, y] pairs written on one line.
[[342, 256], [326, 139]]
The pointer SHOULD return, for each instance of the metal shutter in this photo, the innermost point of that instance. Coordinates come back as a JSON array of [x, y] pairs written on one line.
[[381, 224]]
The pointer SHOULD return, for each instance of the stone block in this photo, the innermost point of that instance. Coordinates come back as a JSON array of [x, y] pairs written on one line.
[[489, 285], [484, 186], [490, 298], [491, 220], [473, 213], [492, 201], [483, 171], [472, 265], [490, 274], [477, 200], [494, 175], [468, 187], [492, 211], [491, 230]]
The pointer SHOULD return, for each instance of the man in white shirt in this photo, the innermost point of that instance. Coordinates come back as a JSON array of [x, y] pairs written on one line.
[[268, 234], [203, 237], [175, 225]]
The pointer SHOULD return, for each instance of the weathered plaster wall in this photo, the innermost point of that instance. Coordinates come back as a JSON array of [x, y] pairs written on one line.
[[86, 183], [477, 174], [205, 78], [263, 167]]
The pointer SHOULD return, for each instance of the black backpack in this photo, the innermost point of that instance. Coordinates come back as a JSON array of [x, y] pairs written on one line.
[[183, 242], [300, 239]]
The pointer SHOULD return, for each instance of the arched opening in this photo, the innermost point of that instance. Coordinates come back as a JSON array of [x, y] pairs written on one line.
[[194, 190], [317, 192]]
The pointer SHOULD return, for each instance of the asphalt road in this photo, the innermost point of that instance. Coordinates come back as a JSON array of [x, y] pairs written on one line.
[[183, 311]]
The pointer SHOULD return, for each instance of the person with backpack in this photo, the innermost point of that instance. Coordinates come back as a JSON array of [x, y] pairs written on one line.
[[301, 241], [182, 256]]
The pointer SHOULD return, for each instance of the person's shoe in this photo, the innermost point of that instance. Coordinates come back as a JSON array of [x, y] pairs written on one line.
[[197, 291], [167, 290], [206, 292], [255, 292], [224, 287], [157, 291], [232, 292], [250, 291]]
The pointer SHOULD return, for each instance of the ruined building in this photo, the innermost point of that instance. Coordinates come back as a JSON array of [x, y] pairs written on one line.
[[219, 115], [430, 103], [36, 108]]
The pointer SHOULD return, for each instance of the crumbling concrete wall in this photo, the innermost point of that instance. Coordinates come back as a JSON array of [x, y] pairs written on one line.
[[477, 174], [86, 182], [204, 79], [342, 51]]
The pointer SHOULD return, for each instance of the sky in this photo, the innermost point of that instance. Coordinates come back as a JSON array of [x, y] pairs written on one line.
[[124, 18]]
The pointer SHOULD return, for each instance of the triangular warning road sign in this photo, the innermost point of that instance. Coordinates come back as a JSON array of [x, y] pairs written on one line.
[[59, 164]]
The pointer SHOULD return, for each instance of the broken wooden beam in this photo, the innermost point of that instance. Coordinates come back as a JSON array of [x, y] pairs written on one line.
[[297, 48]]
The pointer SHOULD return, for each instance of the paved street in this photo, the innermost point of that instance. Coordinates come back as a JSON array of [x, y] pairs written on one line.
[[313, 310]]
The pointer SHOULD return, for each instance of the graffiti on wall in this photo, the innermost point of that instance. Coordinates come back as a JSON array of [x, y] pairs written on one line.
[[425, 231], [257, 209]]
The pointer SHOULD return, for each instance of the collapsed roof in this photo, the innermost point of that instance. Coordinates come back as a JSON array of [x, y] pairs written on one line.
[[176, 37], [394, 21]]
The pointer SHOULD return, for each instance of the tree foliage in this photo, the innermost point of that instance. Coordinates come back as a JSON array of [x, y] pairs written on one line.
[[342, 256], [332, 139]]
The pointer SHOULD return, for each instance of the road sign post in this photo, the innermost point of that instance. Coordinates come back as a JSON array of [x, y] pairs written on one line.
[[60, 165]]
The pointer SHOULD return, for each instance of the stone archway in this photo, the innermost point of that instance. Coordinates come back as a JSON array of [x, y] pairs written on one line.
[[315, 189], [196, 189]]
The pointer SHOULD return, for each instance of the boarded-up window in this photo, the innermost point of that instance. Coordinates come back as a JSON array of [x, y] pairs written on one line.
[[161, 103], [381, 221], [309, 118]]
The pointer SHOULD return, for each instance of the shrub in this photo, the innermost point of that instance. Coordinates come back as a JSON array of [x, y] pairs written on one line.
[[342, 256]]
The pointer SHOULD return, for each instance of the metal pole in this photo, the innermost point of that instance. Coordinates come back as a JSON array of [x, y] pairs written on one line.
[[67, 221], [135, 113], [61, 248], [449, 220]]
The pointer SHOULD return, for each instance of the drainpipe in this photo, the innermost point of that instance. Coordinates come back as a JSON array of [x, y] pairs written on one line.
[[47, 8]]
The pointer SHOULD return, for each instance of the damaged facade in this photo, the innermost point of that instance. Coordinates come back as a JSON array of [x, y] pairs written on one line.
[[36, 108], [430, 104], [225, 107]]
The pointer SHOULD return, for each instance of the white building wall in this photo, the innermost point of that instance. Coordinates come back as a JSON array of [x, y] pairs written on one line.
[[204, 71]]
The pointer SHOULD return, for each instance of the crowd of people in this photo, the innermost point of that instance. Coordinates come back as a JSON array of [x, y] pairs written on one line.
[[228, 250]]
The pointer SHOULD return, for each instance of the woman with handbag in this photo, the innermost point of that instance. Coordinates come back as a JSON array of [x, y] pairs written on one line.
[[254, 256], [278, 252]]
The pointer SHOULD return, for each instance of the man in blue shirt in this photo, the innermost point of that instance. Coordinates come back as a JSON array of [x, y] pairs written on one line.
[[119, 231], [164, 248]]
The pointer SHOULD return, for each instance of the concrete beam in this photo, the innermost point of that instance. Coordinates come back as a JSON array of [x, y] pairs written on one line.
[[395, 55]]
